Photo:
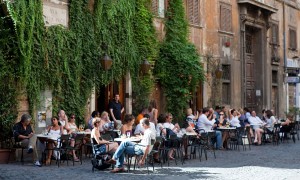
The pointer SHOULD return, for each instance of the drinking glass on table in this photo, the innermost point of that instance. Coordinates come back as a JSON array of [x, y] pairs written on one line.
[[119, 133], [128, 134], [81, 127]]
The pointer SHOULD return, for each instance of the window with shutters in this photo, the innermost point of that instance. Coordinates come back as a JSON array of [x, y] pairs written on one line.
[[154, 7], [292, 39], [193, 11], [158, 7], [225, 18], [274, 34], [226, 84]]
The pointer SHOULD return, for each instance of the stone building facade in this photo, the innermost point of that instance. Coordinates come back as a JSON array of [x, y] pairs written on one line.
[[254, 42]]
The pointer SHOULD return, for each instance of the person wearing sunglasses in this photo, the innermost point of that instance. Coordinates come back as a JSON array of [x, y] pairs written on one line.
[[72, 124], [221, 122]]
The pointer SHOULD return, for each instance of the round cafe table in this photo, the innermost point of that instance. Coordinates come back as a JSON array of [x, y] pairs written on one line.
[[131, 139]]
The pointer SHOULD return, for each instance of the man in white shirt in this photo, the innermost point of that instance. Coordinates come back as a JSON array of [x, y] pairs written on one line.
[[207, 125], [168, 124], [139, 129], [143, 148], [256, 123]]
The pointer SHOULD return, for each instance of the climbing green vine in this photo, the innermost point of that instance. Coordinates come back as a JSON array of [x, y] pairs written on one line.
[[66, 60], [178, 66]]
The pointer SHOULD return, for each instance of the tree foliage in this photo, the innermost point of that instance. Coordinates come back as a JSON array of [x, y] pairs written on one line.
[[178, 66]]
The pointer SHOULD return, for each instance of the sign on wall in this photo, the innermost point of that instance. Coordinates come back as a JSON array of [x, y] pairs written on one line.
[[56, 12]]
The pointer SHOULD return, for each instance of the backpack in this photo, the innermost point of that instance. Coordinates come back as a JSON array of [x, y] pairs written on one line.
[[169, 133], [100, 162]]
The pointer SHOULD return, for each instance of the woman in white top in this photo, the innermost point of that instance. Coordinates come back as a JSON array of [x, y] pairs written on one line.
[[72, 124], [104, 146], [159, 127], [73, 128], [175, 128], [270, 121], [189, 113], [53, 130], [63, 119], [234, 118]]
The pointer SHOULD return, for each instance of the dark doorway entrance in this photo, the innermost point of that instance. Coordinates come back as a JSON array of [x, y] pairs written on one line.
[[106, 93]]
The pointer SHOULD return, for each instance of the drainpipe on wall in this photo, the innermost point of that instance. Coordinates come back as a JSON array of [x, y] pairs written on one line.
[[284, 57]]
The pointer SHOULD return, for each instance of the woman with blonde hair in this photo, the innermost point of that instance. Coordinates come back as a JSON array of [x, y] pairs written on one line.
[[105, 123], [104, 146]]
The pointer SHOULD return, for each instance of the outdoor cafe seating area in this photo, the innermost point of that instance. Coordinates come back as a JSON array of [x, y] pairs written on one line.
[[183, 145]]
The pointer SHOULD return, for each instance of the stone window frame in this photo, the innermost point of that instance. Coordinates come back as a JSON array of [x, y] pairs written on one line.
[[226, 82], [158, 7], [274, 25], [274, 77], [194, 17], [225, 17], [292, 38]]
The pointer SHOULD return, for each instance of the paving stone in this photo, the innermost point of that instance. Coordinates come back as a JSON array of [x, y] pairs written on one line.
[[261, 162]]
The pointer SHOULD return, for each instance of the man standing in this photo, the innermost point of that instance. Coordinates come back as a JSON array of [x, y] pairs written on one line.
[[23, 133], [116, 109], [143, 148]]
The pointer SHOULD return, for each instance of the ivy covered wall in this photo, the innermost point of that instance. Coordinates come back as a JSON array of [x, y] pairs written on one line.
[[67, 60], [178, 66]]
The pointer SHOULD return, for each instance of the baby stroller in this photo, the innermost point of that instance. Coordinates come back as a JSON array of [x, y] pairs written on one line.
[[99, 158]]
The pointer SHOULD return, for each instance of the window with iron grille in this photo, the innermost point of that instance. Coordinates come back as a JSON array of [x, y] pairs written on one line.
[[292, 39], [226, 93], [226, 72], [193, 11], [274, 34], [226, 84], [225, 17]]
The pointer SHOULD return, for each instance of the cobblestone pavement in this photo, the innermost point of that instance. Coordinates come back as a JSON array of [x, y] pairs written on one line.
[[261, 162]]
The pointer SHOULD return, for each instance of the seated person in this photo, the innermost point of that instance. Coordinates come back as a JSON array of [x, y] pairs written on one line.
[[90, 122], [160, 131], [127, 124], [286, 124], [190, 115], [72, 123], [208, 125], [221, 122], [270, 121], [234, 118], [63, 120], [256, 124], [105, 146], [105, 123], [54, 130], [139, 130], [23, 133], [140, 116], [175, 128], [73, 128], [143, 148], [168, 123]]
